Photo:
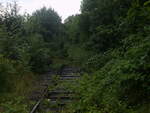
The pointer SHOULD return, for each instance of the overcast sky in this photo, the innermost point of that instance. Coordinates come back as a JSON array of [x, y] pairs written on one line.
[[64, 8]]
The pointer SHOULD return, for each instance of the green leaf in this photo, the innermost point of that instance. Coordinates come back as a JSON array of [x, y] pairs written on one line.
[[147, 3]]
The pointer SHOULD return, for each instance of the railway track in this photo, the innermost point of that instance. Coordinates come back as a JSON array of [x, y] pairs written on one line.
[[57, 97]]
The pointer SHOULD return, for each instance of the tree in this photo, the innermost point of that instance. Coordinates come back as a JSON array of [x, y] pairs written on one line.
[[99, 20], [45, 22]]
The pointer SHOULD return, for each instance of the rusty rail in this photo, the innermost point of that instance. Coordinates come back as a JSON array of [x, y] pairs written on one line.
[[36, 106]]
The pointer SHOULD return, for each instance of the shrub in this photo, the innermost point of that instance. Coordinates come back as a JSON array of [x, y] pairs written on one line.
[[6, 74], [121, 84]]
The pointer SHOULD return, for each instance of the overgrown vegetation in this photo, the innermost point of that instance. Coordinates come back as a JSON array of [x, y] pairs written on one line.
[[110, 40], [118, 32], [28, 45]]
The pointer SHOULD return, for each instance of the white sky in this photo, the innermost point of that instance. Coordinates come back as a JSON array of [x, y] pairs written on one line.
[[64, 8]]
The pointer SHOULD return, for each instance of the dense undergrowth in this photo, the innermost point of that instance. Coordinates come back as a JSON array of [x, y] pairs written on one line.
[[109, 40], [117, 80], [121, 85], [26, 51]]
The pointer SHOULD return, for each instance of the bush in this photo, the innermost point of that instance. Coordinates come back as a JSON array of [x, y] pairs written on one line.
[[6, 74], [14, 105], [121, 85]]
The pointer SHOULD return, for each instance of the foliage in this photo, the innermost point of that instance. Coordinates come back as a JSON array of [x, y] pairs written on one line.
[[15, 105], [6, 73], [121, 85], [25, 50], [109, 39], [119, 79], [45, 22]]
